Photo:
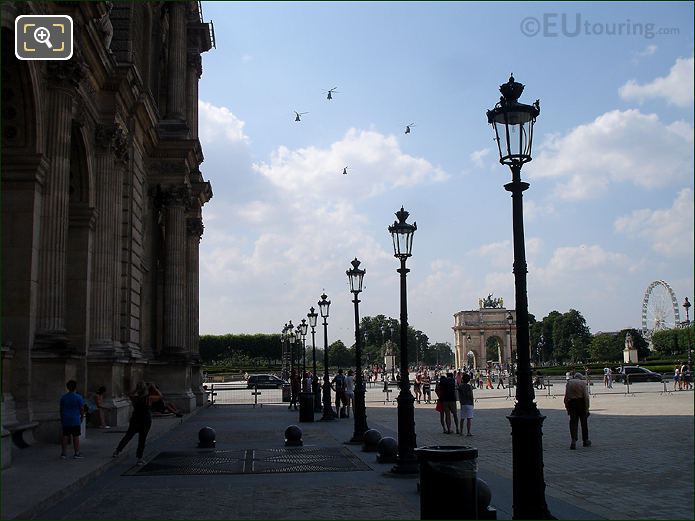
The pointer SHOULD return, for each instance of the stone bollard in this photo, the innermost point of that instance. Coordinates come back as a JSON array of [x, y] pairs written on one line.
[[206, 438], [370, 440], [387, 449], [293, 436]]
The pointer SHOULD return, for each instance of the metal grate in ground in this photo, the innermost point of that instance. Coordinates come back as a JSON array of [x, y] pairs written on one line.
[[251, 461]]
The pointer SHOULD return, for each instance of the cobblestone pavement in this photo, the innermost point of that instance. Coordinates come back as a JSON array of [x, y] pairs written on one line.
[[640, 466]]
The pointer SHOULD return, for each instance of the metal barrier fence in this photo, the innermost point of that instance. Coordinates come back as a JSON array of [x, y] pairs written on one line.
[[237, 393]]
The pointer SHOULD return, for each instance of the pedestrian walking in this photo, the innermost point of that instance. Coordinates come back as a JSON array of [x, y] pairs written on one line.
[[577, 405], [676, 377], [295, 388], [417, 387], [350, 392], [72, 409], [465, 395], [142, 399], [338, 385], [426, 387]]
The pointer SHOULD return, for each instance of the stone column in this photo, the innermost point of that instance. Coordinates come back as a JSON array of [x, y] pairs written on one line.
[[23, 178], [63, 78], [175, 201], [121, 165], [194, 227], [195, 231], [176, 66], [172, 370], [195, 71], [104, 281]]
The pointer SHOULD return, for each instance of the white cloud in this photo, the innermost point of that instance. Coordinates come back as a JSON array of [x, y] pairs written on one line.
[[218, 123], [375, 164], [568, 261], [478, 156], [676, 88], [668, 231], [618, 146]]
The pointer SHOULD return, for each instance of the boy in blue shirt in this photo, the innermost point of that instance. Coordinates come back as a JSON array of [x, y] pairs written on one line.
[[71, 411]]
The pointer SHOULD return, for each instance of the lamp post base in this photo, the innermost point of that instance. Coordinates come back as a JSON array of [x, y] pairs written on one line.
[[527, 461], [406, 461], [328, 414], [405, 467]]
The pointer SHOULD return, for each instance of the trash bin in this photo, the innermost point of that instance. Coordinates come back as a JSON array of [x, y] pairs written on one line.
[[306, 407], [448, 472], [286, 393]]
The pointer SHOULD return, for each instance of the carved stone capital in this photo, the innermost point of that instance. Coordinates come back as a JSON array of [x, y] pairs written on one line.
[[66, 74], [104, 135], [194, 61], [194, 226], [178, 195], [120, 143]]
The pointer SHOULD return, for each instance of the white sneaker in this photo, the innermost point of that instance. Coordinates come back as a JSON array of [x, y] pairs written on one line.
[[140, 462]]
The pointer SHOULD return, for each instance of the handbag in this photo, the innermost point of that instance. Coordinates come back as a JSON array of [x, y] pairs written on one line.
[[439, 407]]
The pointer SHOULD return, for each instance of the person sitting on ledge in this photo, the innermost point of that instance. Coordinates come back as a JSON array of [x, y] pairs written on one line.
[[159, 405]]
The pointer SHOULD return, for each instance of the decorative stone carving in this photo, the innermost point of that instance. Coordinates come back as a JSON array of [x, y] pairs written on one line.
[[104, 135], [65, 74], [194, 226], [179, 195], [194, 61], [106, 27], [121, 142]]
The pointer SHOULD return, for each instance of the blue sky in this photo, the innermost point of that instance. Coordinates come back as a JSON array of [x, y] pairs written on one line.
[[610, 208]]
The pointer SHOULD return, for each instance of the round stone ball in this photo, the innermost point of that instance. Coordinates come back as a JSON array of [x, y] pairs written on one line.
[[293, 434], [206, 437], [387, 447], [484, 494], [371, 439]]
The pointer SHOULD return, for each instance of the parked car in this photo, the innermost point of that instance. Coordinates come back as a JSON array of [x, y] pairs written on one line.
[[636, 374], [265, 381]]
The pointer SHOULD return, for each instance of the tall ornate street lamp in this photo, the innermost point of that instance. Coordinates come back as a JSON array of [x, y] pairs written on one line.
[[285, 347], [510, 321], [328, 413], [312, 315], [686, 305], [513, 125], [406, 463], [303, 327], [290, 340], [356, 275]]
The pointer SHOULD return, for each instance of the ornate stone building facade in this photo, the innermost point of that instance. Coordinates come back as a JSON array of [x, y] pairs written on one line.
[[101, 210], [472, 329]]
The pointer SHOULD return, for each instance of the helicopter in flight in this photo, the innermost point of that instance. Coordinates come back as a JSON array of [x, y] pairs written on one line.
[[407, 128], [345, 171], [297, 114], [330, 92]]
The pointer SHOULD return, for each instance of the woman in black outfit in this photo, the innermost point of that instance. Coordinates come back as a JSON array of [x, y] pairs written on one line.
[[140, 420]]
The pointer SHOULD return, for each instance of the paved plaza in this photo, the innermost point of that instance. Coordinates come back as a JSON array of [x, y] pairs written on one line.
[[640, 465]]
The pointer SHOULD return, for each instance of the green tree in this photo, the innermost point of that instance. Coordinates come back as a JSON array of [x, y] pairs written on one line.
[[571, 337], [605, 346], [548, 325], [340, 356], [441, 353], [492, 348]]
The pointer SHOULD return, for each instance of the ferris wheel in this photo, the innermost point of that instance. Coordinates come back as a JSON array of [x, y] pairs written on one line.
[[659, 309]]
